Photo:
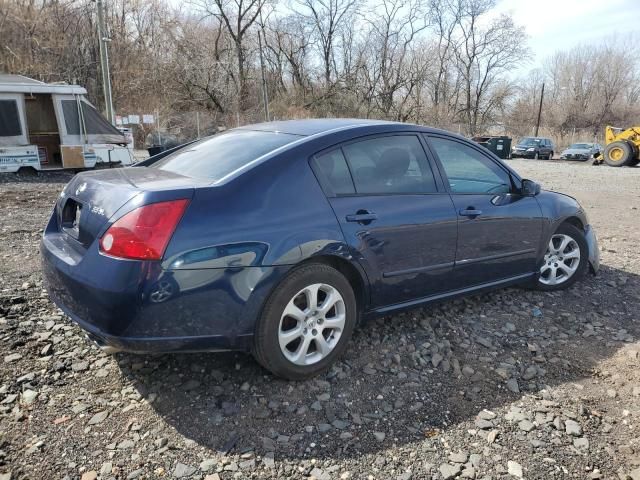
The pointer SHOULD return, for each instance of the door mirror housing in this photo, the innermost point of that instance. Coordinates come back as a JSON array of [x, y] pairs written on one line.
[[530, 188]]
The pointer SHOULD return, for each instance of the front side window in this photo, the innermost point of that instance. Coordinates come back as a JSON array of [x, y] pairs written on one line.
[[468, 170], [9, 119], [216, 157], [389, 165]]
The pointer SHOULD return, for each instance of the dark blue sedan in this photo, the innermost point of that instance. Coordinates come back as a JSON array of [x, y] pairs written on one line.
[[279, 238]]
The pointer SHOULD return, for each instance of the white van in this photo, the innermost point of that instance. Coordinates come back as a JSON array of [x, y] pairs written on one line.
[[53, 126]]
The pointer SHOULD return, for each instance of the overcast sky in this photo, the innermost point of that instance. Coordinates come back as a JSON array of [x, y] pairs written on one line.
[[561, 24]]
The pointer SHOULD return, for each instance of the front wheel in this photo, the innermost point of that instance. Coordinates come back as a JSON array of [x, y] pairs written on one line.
[[566, 259], [306, 322]]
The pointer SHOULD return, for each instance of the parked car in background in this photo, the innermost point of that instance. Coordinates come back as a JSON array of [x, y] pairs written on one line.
[[279, 238], [581, 151], [533, 147]]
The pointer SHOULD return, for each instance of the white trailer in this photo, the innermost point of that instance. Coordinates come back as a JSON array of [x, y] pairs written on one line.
[[53, 126]]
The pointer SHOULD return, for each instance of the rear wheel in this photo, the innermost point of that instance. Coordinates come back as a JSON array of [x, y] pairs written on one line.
[[618, 154], [306, 322], [566, 259]]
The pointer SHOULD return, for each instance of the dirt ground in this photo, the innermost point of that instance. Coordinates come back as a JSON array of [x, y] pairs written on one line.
[[511, 384]]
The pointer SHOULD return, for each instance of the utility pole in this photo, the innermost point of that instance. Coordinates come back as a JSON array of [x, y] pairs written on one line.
[[539, 110], [104, 63], [265, 94]]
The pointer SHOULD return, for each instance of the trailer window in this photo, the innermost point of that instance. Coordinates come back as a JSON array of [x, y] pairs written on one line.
[[94, 122], [71, 120], [9, 119]]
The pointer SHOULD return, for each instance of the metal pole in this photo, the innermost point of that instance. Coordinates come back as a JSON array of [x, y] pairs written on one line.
[[265, 94], [104, 63], [539, 110]]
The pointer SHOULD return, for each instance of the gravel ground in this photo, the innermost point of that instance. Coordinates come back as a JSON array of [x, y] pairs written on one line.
[[512, 384]]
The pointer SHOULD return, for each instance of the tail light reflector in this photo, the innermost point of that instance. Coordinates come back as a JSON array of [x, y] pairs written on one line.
[[143, 233]]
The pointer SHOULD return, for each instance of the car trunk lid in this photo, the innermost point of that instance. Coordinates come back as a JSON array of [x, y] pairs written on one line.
[[91, 199]]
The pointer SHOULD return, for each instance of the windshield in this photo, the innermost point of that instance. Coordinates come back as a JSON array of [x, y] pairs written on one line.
[[581, 146], [530, 142], [216, 157]]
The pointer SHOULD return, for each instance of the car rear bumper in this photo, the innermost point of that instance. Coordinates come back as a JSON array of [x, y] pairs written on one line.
[[594, 249], [138, 307]]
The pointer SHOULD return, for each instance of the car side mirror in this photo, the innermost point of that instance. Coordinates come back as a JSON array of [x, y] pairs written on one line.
[[530, 188]]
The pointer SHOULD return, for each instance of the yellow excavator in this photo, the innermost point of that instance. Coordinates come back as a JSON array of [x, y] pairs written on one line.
[[622, 147]]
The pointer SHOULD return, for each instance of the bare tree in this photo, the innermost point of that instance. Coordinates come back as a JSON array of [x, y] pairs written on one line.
[[327, 17], [237, 16]]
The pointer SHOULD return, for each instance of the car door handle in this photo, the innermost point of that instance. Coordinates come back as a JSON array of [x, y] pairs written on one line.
[[362, 216], [470, 212]]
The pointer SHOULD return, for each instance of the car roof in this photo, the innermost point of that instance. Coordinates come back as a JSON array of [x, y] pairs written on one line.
[[315, 126]]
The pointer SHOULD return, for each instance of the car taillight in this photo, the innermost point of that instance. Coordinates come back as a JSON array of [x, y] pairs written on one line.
[[143, 233]]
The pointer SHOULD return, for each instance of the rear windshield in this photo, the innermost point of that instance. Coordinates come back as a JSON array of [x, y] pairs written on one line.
[[530, 142], [216, 157]]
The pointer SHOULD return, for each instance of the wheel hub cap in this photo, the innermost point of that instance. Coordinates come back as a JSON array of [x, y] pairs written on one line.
[[311, 324], [561, 260]]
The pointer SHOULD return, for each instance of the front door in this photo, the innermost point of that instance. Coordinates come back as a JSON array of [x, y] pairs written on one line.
[[395, 216], [499, 230]]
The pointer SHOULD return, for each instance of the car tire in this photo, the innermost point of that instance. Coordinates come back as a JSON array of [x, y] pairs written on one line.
[[295, 337], [619, 154], [572, 268], [536, 156]]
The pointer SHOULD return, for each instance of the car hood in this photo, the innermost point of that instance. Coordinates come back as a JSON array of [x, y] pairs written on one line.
[[574, 151]]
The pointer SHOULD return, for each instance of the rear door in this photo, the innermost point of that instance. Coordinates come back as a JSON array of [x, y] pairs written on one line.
[[499, 230], [394, 213]]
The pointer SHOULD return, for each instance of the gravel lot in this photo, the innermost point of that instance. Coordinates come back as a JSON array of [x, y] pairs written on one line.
[[512, 384]]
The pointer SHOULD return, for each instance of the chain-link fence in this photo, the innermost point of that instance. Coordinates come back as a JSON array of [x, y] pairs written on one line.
[[172, 128]]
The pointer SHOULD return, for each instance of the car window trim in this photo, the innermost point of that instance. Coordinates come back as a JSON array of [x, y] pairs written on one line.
[[329, 193], [513, 177]]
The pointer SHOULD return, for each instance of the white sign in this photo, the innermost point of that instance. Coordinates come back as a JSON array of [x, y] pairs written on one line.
[[134, 119], [147, 118], [118, 120]]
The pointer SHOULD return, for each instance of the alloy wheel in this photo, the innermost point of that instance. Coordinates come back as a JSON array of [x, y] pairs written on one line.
[[311, 324], [561, 260]]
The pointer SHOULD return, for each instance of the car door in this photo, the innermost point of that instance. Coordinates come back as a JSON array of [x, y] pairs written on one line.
[[395, 214], [499, 230]]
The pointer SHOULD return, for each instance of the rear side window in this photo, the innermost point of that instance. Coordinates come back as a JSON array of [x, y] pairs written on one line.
[[331, 168], [390, 165], [216, 157], [9, 119]]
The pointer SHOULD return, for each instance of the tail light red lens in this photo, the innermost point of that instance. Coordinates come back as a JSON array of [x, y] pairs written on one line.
[[143, 233]]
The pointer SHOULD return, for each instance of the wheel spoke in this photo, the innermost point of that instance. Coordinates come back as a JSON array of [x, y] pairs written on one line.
[[299, 356], [564, 243], [323, 346], [311, 292], [289, 336], [328, 303], [336, 322], [291, 310], [572, 254], [569, 269]]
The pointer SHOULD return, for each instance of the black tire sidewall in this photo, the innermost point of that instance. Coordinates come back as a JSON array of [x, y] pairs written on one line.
[[578, 235], [628, 149], [266, 345]]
